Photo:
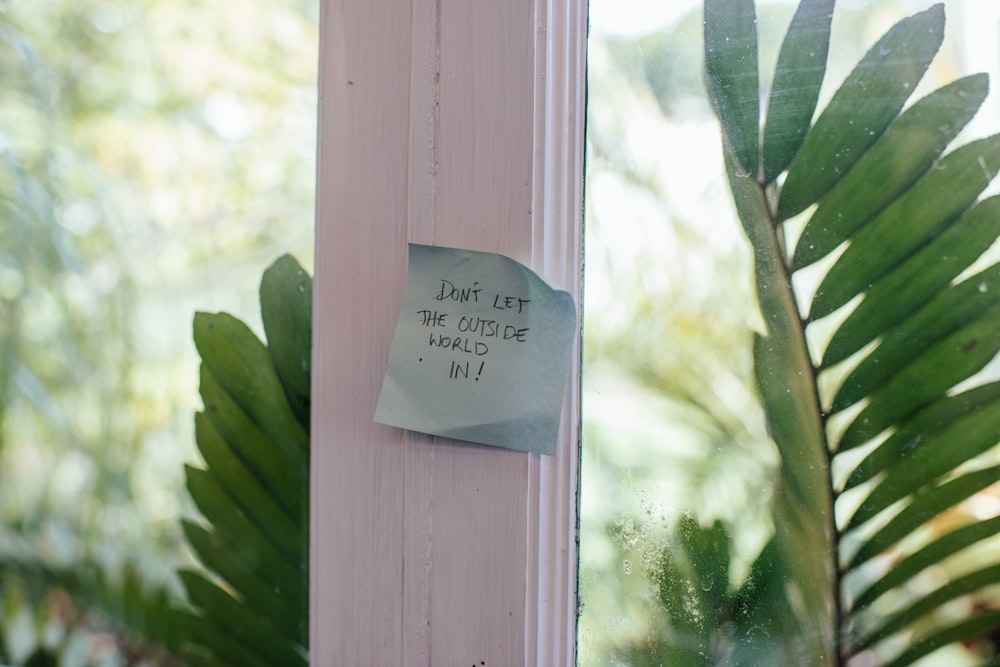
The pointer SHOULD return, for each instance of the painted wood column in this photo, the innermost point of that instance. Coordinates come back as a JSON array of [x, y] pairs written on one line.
[[456, 123]]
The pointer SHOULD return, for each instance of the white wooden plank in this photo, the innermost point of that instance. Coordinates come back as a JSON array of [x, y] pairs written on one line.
[[483, 202], [357, 465], [439, 123]]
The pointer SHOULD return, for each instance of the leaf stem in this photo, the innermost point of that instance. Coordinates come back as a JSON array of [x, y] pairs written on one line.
[[796, 338], [786, 379]]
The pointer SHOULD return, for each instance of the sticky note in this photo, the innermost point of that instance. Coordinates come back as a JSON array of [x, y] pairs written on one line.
[[481, 351]]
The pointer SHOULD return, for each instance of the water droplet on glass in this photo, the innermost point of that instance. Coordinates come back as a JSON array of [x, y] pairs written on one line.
[[983, 287], [883, 51], [628, 566]]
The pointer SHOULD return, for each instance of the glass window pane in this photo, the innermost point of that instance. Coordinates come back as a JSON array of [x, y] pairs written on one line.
[[678, 460], [157, 157]]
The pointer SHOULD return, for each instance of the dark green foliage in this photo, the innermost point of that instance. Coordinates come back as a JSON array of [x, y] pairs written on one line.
[[251, 607], [797, 82], [731, 63], [874, 177], [693, 583], [907, 149], [927, 209], [123, 603], [864, 105], [286, 307], [709, 620]]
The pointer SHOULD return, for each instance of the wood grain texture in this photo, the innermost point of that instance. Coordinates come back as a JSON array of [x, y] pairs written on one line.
[[459, 123]]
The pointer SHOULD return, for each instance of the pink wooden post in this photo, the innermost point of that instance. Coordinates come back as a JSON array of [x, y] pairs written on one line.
[[458, 123]]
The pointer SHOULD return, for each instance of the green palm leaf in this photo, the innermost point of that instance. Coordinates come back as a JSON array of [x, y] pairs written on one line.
[[875, 185], [797, 82], [250, 604], [866, 103]]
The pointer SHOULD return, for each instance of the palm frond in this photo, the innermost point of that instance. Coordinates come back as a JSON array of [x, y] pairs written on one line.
[[251, 606], [869, 183]]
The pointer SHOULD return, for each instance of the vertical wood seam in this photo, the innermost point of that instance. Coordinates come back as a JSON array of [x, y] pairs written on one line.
[[419, 467]]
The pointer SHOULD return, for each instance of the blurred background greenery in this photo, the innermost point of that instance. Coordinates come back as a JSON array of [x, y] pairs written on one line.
[[157, 156], [672, 425]]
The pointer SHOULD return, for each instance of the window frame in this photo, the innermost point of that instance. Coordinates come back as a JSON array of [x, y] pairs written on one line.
[[457, 124]]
